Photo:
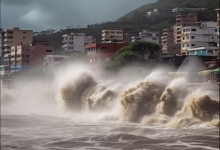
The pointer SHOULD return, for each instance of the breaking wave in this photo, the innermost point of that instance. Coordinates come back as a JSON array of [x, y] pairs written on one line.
[[155, 99]]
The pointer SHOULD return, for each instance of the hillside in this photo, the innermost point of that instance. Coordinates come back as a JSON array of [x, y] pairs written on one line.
[[165, 8], [135, 20]]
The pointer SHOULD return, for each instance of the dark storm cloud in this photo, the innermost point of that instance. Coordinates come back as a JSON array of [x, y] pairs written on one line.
[[58, 14]]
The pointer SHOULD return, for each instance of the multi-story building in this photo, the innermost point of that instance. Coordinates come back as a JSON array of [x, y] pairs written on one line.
[[26, 56], [14, 37], [51, 61], [109, 36], [185, 20], [146, 35], [167, 42], [197, 38], [99, 54], [75, 42], [127, 36]]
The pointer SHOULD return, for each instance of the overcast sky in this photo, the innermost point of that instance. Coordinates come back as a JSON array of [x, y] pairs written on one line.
[[40, 15]]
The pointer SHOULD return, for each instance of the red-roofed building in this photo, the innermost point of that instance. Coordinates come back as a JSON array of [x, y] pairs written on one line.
[[99, 54]]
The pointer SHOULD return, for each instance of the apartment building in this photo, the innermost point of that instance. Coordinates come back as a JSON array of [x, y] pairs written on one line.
[[146, 35], [75, 42], [167, 43], [182, 21], [51, 61], [109, 36], [195, 39], [14, 37], [99, 54], [26, 56]]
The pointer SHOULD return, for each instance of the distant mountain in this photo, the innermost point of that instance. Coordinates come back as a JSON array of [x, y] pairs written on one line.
[[136, 20], [165, 9]]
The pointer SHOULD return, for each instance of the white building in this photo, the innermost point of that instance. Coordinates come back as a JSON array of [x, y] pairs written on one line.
[[204, 35], [146, 35], [75, 42], [154, 12], [51, 61]]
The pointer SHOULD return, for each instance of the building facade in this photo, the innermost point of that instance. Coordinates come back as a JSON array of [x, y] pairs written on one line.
[[26, 56], [182, 21], [127, 36], [110, 36], [75, 42], [204, 51], [204, 35], [167, 42], [14, 37], [99, 54], [51, 61], [146, 35]]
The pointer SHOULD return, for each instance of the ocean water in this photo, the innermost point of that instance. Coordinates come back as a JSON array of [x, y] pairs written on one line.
[[40, 132], [77, 109]]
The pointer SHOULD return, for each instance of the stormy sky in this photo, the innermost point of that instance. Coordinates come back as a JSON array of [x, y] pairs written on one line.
[[40, 15]]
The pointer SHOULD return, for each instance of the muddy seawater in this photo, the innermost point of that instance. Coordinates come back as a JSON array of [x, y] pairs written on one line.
[[77, 109]]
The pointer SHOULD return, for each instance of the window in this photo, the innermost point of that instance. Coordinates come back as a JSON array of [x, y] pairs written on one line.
[[25, 61], [24, 37], [187, 45], [210, 51], [25, 55], [193, 29], [192, 37], [48, 51], [24, 32], [25, 49], [192, 44]]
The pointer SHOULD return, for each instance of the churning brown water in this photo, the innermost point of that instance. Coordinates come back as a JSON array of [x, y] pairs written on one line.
[[81, 111]]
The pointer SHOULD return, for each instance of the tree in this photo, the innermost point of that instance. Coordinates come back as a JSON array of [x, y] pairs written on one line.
[[136, 54]]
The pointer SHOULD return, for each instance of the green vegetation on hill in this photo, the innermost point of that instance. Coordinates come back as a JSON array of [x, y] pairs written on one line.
[[136, 20], [136, 54], [165, 8]]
